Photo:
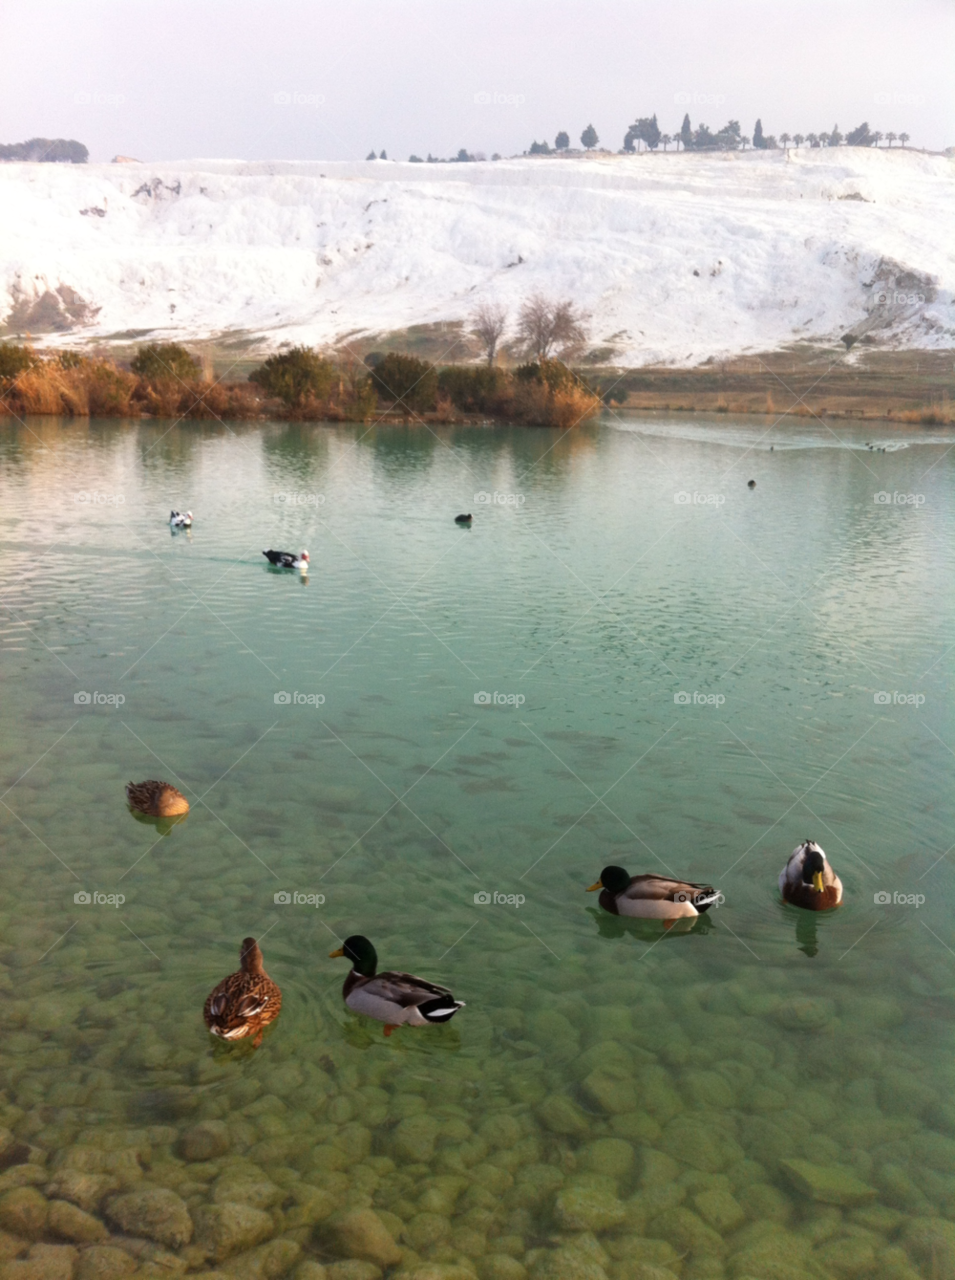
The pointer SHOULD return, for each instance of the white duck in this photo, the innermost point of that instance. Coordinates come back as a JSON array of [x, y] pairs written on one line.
[[180, 519]]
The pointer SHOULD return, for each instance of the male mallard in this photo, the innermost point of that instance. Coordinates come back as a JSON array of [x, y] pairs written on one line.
[[180, 519], [392, 998], [157, 799], [807, 880], [287, 559], [244, 1003], [652, 897]]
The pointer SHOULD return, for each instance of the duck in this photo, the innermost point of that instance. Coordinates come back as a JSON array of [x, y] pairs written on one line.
[[287, 559], [463, 519], [244, 1003], [395, 999], [750, 484], [180, 519], [652, 897], [157, 799], [807, 880]]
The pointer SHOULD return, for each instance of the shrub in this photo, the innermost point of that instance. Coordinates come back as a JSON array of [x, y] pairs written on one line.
[[296, 376], [160, 360], [548, 394], [14, 360], [406, 382], [475, 389]]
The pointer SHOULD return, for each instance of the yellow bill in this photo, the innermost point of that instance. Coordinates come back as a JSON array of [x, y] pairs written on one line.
[[598, 885], [817, 882], [332, 955]]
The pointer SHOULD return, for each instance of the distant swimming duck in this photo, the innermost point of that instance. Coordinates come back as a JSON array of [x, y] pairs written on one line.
[[807, 880], [287, 559], [463, 519], [652, 897], [180, 519], [157, 799], [392, 998], [244, 1003], [750, 484]]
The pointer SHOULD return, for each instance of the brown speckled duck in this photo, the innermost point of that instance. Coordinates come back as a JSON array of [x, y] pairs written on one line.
[[157, 799], [807, 880], [244, 1003]]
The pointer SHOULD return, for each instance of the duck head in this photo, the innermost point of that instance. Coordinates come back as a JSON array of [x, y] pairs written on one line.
[[304, 556], [363, 956], [813, 865], [613, 879]]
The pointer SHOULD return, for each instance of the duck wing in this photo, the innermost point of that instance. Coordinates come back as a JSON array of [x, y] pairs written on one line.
[[404, 989], [662, 889]]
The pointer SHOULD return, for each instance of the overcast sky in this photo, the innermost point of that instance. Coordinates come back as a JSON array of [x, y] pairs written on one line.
[[210, 78]]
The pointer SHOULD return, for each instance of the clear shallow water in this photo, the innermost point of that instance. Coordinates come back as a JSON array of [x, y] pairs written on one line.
[[622, 566]]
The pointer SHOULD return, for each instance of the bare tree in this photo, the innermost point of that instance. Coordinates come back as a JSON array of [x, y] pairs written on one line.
[[488, 324], [546, 328]]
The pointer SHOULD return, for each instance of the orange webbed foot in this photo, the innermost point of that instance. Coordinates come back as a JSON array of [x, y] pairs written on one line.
[[389, 1027]]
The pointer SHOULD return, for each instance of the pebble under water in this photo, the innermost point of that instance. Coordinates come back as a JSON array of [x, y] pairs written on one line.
[[438, 740]]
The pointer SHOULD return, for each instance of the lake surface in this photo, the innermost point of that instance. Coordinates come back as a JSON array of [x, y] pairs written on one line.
[[629, 657]]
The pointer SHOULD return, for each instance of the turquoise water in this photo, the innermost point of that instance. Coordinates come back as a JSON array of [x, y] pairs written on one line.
[[629, 657]]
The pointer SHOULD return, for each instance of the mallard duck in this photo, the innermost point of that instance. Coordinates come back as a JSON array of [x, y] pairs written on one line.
[[750, 484], [157, 799], [463, 519], [652, 897], [807, 880], [392, 998], [180, 519], [244, 1003], [287, 559]]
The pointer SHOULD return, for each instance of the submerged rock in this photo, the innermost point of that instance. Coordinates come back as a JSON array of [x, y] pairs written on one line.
[[104, 1262], [158, 1215], [87, 1190], [362, 1234], [267, 1262], [225, 1229], [205, 1141], [720, 1210], [830, 1184], [43, 1262], [589, 1203], [560, 1114], [23, 1212], [69, 1222]]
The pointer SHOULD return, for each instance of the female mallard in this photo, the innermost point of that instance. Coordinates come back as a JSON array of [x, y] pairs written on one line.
[[652, 897], [392, 998], [807, 880], [244, 1003], [157, 799]]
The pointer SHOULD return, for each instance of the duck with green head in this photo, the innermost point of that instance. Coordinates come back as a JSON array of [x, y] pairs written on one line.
[[651, 897], [396, 999]]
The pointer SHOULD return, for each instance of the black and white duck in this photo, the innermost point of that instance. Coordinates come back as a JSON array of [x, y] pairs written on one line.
[[287, 559]]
